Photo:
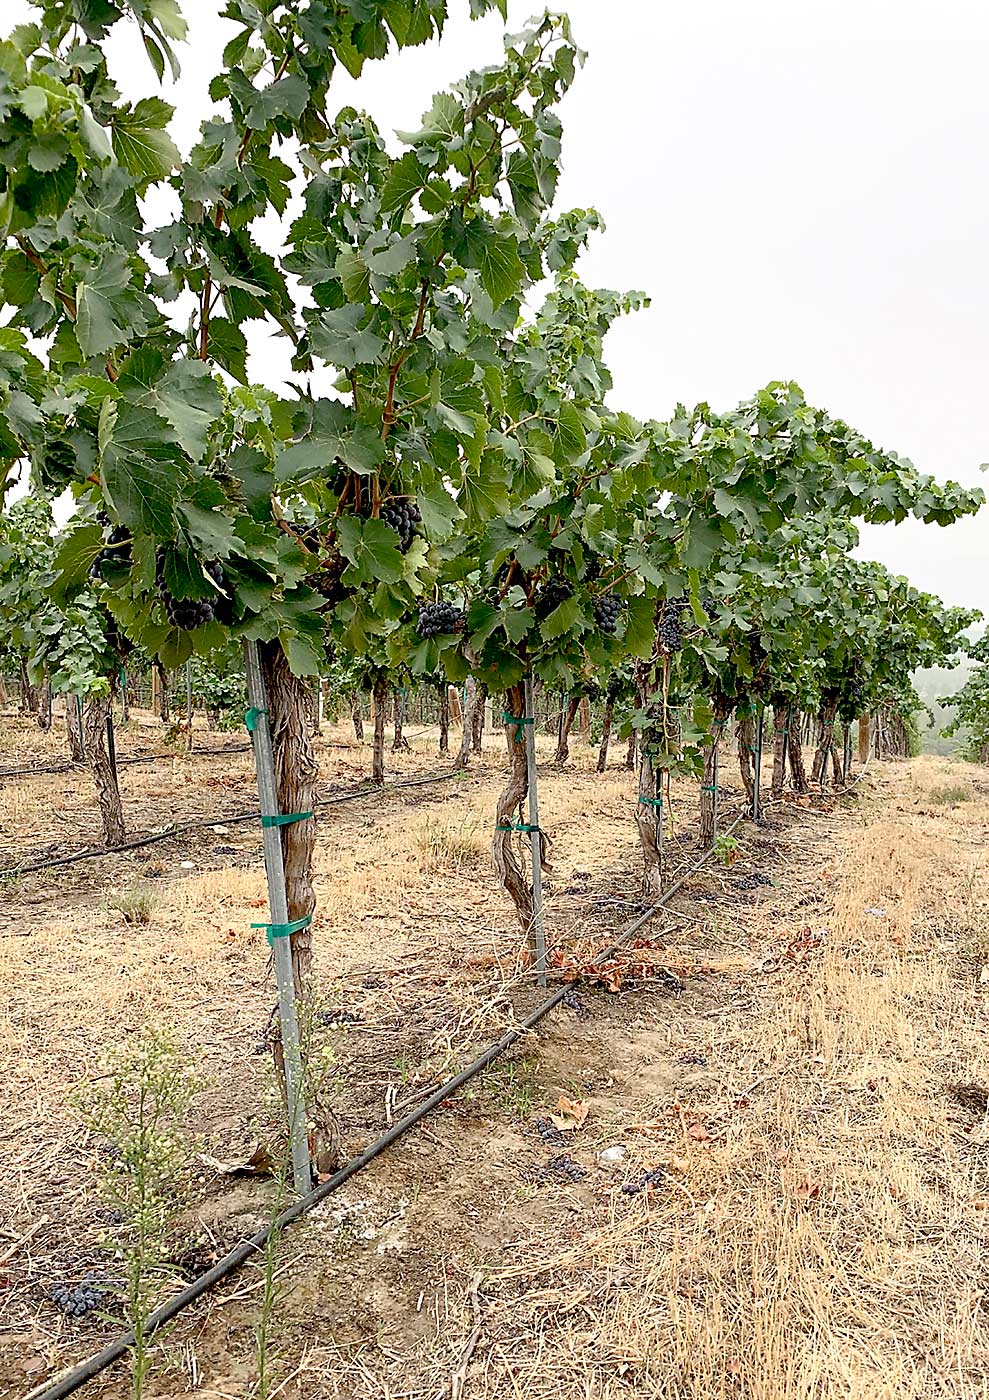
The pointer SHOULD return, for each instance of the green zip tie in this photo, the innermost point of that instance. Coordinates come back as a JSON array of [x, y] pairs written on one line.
[[712, 788], [521, 721], [651, 801], [252, 716], [274, 931], [285, 818], [522, 826]]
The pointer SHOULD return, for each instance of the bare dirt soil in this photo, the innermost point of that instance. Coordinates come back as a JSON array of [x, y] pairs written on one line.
[[789, 1085]]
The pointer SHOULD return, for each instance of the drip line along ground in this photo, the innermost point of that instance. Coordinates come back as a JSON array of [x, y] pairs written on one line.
[[70, 766], [232, 820]]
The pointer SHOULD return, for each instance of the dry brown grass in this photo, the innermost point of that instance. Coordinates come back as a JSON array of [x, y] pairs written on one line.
[[828, 1238], [820, 1233]]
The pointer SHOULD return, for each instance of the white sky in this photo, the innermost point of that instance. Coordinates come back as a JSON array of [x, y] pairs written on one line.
[[800, 188]]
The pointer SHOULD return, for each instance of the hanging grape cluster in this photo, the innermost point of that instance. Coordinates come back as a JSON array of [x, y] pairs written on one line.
[[307, 534], [327, 580], [555, 590], [402, 516], [189, 613], [437, 619], [606, 613], [671, 624], [116, 552], [222, 604]]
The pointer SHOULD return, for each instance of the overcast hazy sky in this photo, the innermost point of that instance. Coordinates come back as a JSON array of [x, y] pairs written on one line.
[[801, 189]]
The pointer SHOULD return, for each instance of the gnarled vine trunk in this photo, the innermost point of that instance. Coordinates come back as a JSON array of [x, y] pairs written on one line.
[[709, 795], [780, 744], [379, 698], [289, 700], [45, 704], [648, 820], [470, 705], [746, 753], [566, 725], [296, 775], [509, 813], [29, 692], [630, 752], [795, 752], [163, 699], [103, 769], [825, 742], [399, 743], [73, 729], [355, 714], [609, 718], [477, 722]]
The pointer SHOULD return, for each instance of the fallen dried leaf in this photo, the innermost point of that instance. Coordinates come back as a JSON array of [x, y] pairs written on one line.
[[570, 1115]]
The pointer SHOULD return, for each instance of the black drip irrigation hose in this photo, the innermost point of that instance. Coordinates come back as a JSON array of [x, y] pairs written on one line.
[[69, 766], [232, 820], [85, 1371]]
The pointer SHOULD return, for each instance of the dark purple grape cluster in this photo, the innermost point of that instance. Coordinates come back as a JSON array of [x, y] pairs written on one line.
[[307, 534], [615, 686], [647, 1179], [573, 1003], [592, 568], [327, 578], [606, 612], [671, 624], [185, 613], [561, 1167], [402, 515], [437, 619], [555, 590], [77, 1301], [108, 1215], [547, 1130], [116, 551], [222, 604]]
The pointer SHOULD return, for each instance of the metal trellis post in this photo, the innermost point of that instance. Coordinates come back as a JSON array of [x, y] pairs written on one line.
[[848, 751], [111, 743], [659, 810], [760, 728], [714, 788], [123, 695], [188, 704], [278, 905], [79, 728], [535, 838]]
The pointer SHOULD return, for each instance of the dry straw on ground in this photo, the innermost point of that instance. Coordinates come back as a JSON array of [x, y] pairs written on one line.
[[809, 1104]]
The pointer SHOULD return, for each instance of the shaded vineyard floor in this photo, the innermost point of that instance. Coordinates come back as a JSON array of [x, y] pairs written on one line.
[[815, 1220]]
